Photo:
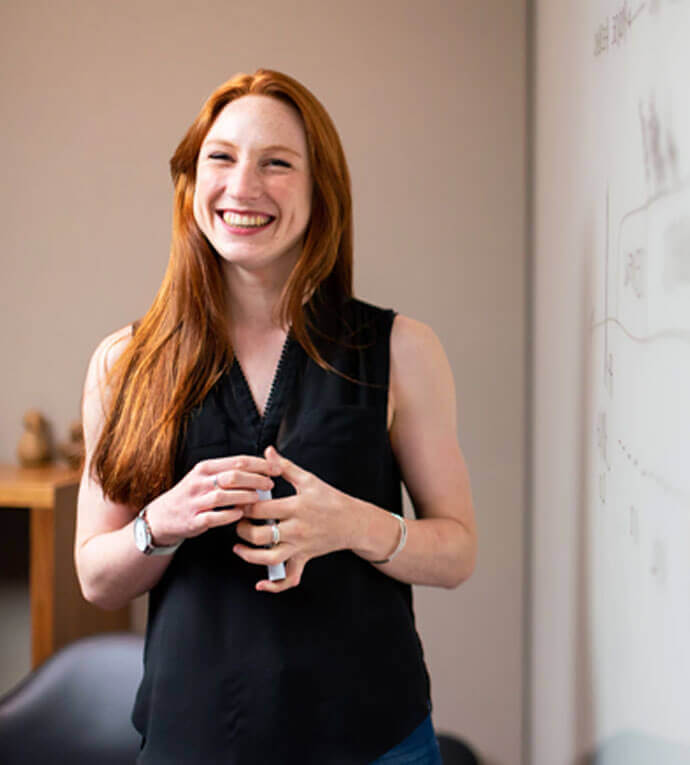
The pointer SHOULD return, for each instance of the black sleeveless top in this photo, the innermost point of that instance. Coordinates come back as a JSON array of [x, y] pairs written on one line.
[[330, 672]]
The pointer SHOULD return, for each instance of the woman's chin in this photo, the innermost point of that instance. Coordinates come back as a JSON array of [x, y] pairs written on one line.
[[258, 262]]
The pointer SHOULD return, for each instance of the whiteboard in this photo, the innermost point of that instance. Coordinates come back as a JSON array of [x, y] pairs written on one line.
[[638, 493]]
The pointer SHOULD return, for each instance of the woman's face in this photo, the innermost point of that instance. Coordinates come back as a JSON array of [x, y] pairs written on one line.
[[253, 186]]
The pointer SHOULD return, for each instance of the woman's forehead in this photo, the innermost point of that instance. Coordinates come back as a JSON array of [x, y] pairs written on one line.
[[256, 121]]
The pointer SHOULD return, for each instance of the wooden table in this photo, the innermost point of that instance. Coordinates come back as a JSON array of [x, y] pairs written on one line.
[[59, 613]]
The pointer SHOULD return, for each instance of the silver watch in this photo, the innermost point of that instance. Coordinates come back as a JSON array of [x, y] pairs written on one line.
[[144, 540]]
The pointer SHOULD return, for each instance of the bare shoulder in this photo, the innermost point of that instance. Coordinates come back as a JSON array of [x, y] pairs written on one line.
[[410, 338], [419, 365], [109, 350], [94, 399]]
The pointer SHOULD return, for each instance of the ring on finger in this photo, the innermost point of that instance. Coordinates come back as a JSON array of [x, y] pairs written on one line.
[[275, 531], [215, 481]]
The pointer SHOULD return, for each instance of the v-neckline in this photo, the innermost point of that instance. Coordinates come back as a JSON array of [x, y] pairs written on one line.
[[263, 425], [274, 380]]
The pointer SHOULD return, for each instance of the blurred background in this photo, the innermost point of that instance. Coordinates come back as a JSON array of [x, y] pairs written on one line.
[[430, 105]]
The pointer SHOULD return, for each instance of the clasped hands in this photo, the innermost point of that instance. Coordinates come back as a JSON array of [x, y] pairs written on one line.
[[312, 522]]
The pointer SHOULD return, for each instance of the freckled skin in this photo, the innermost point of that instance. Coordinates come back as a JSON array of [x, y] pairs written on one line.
[[247, 176]]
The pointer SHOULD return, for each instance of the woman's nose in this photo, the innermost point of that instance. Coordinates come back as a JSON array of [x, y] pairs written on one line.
[[244, 181]]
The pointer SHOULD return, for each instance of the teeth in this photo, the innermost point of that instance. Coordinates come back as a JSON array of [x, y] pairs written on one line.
[[234, 219]]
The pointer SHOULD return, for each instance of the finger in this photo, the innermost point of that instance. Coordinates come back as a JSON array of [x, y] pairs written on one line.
[[215, 518], [220, 498], [260, 556], [287, 469], [255, 535], [240, 479], [245, 462], [279, 509], [293, 575], [225, 497], [259, 535]]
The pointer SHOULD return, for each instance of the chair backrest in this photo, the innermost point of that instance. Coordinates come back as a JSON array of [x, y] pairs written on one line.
[[75, 708], [454, 751]]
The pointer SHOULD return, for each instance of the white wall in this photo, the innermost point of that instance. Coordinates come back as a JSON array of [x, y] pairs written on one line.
[[430, 104]]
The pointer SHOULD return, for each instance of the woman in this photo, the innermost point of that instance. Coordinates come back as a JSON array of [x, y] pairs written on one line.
[[255, 370]]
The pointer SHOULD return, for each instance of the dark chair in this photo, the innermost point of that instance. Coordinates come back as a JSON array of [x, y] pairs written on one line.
[[454, 751], [75, 708]]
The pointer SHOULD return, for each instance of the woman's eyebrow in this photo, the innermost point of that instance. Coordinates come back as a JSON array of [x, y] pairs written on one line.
[[273, 147]]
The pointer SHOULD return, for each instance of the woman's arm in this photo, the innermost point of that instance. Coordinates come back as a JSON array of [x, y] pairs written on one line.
[[318, 519], [441, 545], [110, 568]]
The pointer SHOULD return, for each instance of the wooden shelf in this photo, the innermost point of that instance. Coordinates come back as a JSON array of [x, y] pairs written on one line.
[[59, 613], [34, 487]]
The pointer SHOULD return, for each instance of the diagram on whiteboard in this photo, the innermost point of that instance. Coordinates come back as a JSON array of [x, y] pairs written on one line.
[[639, 380]]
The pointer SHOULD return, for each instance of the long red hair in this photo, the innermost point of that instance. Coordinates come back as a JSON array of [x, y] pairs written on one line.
[[181, 347]]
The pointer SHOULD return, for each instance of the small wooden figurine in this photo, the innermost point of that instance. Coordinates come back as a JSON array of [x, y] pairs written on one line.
[[33, 449]]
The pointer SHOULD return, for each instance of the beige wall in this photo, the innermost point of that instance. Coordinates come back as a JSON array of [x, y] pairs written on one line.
[[562, 41], [430, 104]]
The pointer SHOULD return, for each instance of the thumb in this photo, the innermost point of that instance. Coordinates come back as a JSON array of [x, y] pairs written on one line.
[[287, 469]]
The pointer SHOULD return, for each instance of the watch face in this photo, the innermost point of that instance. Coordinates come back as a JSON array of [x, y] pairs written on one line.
[[141, 537]]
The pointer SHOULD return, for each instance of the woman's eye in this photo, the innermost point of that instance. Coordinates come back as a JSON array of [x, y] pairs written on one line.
[[219, 155], [279, 163]]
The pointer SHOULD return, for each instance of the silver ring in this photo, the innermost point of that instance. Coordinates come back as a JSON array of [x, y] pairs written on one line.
[[215, 481], [276, 533]]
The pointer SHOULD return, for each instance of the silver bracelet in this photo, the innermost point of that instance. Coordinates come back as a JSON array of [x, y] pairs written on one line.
[[401, 543]]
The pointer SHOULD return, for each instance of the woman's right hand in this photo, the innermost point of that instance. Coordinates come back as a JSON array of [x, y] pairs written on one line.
[[189, 508]]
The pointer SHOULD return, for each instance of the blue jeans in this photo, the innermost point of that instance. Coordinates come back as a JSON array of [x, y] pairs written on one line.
[[419, 748]]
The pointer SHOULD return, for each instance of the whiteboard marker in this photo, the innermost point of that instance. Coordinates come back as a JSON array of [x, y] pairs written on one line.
[[277, 572]]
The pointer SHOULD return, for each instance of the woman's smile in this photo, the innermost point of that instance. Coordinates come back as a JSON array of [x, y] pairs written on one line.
[[245, 224]]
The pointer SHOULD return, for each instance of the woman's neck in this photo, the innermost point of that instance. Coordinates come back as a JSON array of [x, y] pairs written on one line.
[[252, 298]]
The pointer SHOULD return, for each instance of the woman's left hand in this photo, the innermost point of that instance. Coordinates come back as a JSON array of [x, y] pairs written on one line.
[[311, 523]]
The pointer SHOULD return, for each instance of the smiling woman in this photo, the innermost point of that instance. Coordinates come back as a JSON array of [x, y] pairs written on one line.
[[259, 415]]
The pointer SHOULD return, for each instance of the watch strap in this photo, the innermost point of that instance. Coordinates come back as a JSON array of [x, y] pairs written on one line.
[[152, 548]]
